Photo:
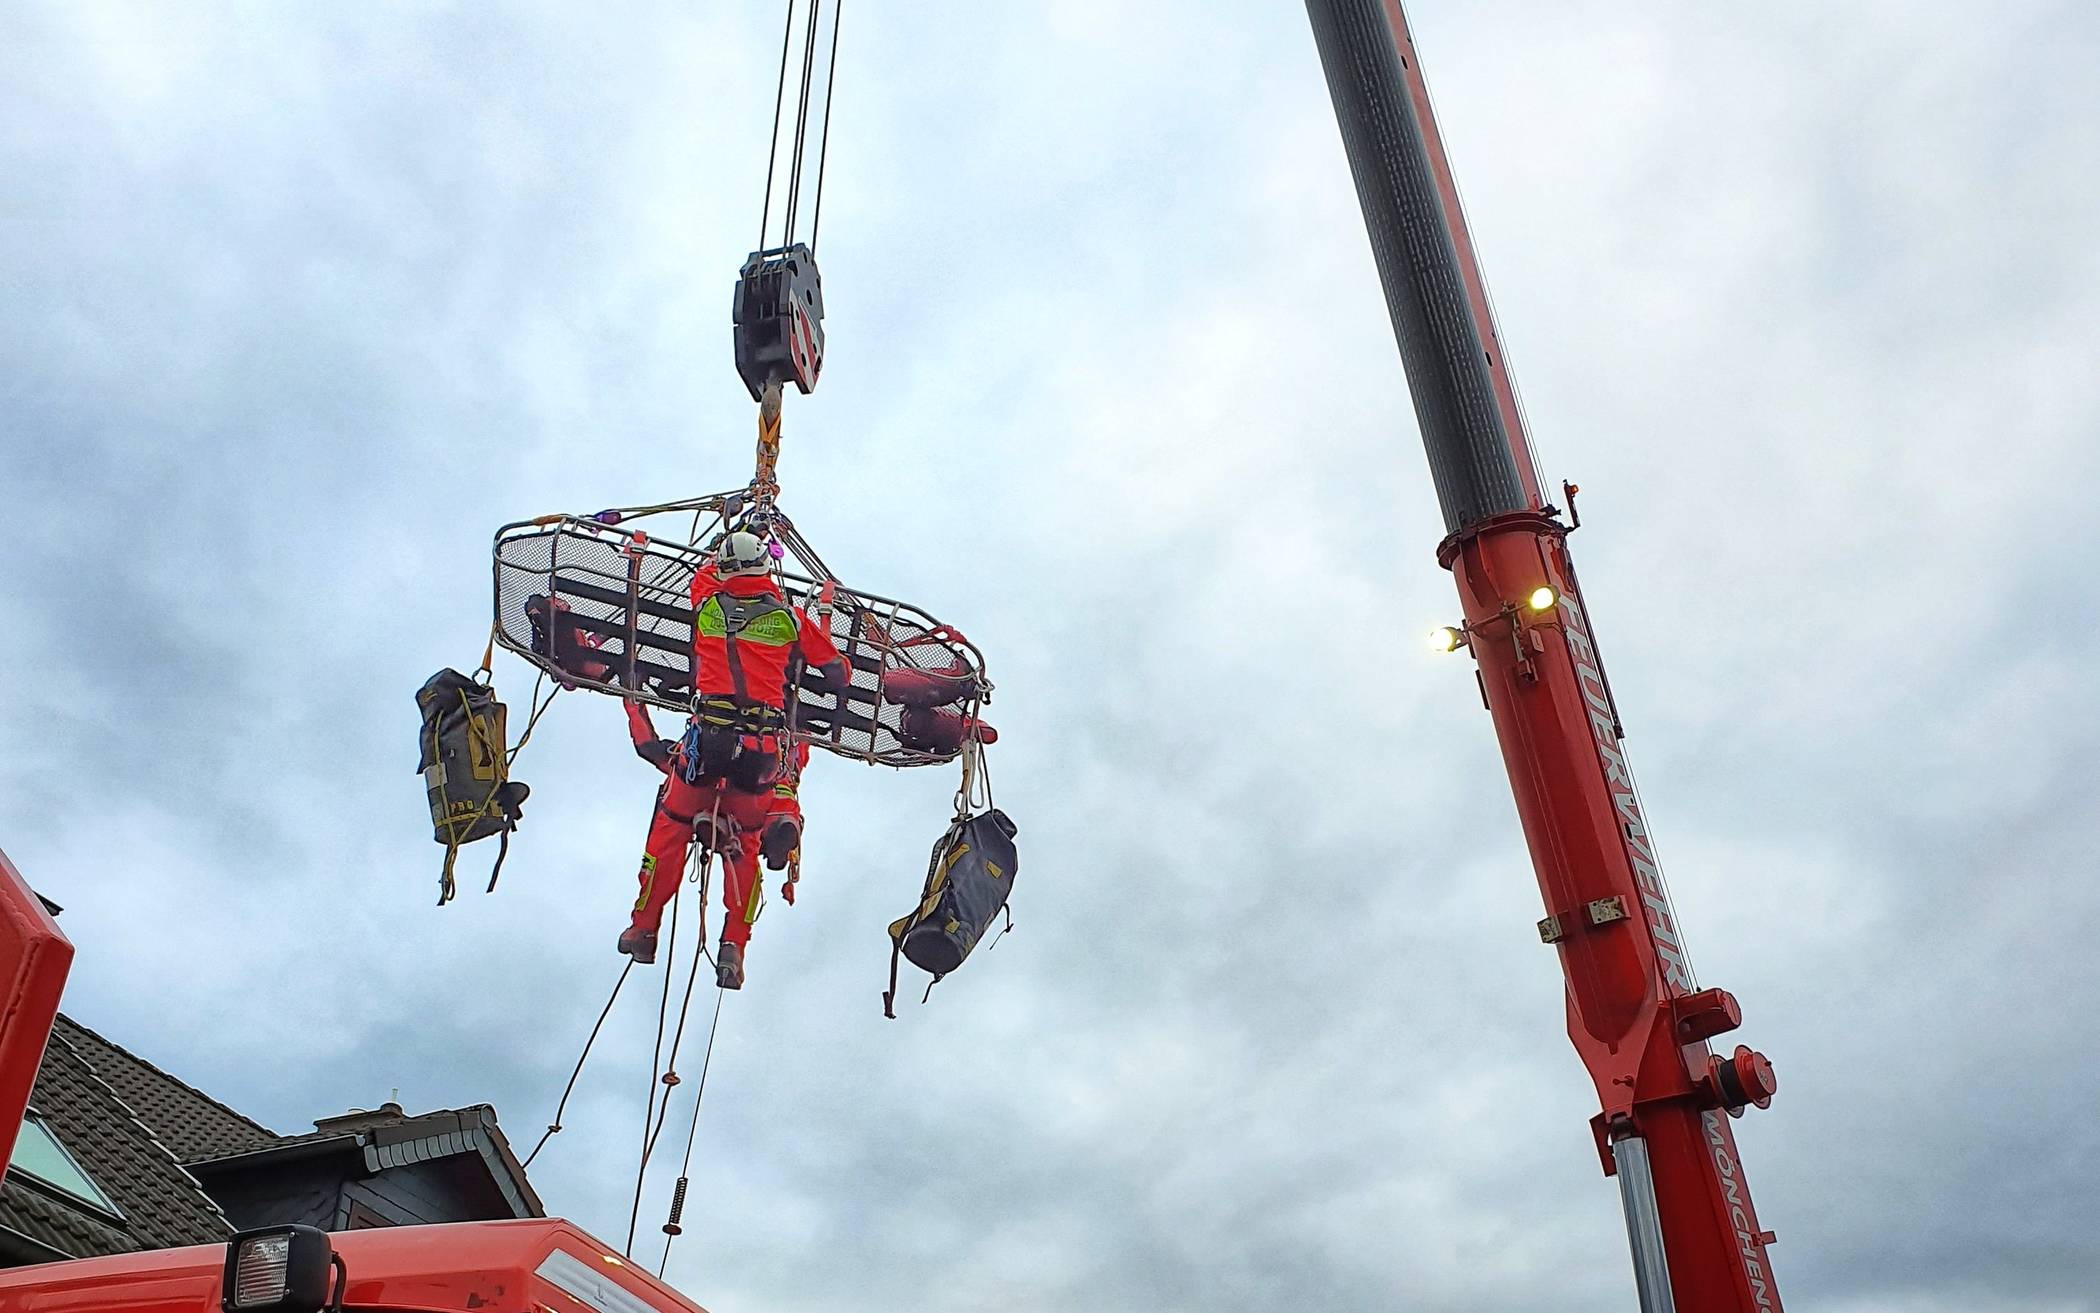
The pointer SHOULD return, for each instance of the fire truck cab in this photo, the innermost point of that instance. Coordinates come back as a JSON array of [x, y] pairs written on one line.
[[537, 1265]]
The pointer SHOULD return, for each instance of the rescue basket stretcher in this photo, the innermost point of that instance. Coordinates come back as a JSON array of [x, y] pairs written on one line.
[[627, 595]]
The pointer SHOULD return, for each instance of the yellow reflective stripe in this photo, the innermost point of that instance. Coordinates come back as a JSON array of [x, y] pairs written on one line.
[[775, 628], [648, 881], [708, 621]]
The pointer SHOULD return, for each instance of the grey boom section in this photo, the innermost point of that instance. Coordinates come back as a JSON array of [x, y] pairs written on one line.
[[1470, 458]]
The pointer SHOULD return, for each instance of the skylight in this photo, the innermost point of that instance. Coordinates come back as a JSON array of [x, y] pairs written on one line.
[[40, 1157]]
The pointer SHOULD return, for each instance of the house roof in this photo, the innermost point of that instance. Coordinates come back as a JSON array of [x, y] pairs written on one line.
[[158, 1203], [193, 1125], [140, 1133], [390, 1137]]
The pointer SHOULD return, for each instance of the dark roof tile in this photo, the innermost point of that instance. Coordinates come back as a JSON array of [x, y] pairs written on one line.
[[191, 1123], [161, 1204], [133, 1127], [48, 1222]]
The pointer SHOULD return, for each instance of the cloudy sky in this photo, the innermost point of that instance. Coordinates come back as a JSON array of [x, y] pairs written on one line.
[[299, 301]]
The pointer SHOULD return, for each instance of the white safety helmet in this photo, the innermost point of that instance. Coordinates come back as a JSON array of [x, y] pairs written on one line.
[[741, 553]]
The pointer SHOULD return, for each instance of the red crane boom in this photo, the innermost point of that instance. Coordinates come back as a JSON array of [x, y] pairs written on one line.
[[1638, 1018]]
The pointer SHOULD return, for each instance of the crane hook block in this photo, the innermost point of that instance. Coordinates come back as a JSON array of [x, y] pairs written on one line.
[[779, 319]]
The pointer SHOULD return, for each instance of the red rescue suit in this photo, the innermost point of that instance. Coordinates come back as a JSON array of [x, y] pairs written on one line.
[[776, 838], [746, 640], [740, 826]]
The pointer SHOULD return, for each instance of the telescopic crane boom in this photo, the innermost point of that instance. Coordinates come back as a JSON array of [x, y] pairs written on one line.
[[1637, 1016]]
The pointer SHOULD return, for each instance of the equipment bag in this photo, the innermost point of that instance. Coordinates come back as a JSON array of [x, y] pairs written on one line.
[[967, 884], [465, 770]]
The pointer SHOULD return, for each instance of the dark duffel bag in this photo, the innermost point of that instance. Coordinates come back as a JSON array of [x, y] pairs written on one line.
[[466, 772], [967, 885]]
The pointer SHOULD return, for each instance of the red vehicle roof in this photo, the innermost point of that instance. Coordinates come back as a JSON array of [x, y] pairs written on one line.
[[536, 1265]]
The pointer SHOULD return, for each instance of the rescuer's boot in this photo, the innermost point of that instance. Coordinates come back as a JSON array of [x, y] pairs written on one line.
[[639, 944], [779, 843], [729, 966]]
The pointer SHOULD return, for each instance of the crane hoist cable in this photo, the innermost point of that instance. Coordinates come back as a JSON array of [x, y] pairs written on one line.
[[778, 312], [816, 217], [803, 68]]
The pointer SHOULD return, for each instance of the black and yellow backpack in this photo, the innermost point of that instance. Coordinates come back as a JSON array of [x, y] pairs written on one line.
[[465, 770], [967, 885]]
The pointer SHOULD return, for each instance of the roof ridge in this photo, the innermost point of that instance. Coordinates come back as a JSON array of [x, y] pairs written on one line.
[[157, 1070]]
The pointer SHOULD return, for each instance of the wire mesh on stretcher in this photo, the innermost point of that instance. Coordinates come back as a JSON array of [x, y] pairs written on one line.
[[625, 594]]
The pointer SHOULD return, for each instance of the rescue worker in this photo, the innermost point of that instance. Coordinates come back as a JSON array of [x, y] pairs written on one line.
[[747, 640], [744, 828], [771, 833]]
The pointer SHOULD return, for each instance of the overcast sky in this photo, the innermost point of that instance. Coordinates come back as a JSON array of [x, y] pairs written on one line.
[[298, 302]]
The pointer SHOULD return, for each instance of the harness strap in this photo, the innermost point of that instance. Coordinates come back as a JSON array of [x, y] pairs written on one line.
[[736, 659], [737, 614], [502, 851], [889, 996], [739, 714]]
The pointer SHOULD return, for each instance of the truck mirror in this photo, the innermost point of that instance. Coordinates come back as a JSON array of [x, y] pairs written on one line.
[[281, 1269]]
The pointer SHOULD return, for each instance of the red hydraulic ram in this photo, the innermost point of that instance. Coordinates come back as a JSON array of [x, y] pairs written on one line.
[[1637, 1016]]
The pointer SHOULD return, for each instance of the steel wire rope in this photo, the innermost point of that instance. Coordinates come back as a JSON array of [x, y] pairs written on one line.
[[801, 130], [670, 1073], [665, 1072], [765, 213], [685, 1166], [797, 149], [554, 1127], [655, 1072], [809, 70], [816, 218]]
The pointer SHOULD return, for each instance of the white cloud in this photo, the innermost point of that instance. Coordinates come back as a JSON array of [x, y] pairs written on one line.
[[303, 305]]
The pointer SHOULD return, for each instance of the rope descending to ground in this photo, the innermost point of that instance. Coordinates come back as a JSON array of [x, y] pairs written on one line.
[[554, 1127]]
